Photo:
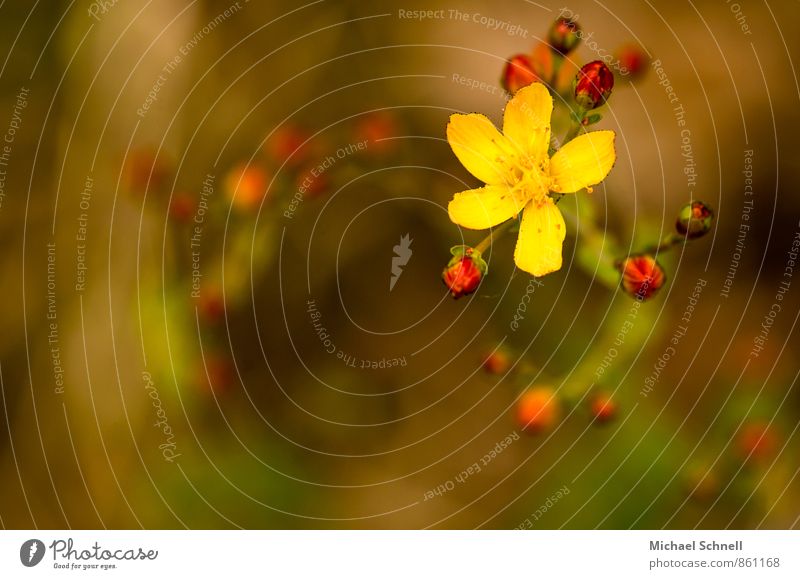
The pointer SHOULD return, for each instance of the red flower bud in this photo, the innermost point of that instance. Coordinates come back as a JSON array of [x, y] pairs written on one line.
[[310, 184], [593, 85], [518, 73], [642, 276], [462, 277], [563, 35], [538, 410], [211, 305], [182, 207], [289, 144], [633, 61], [756, 440], [145, 170], [694, 220], [498, 362], [376, 130], [216, 374], [464, 272], [603, 407]]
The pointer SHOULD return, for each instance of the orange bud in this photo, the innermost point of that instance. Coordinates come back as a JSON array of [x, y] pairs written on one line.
[[498, 362], [311, 185], [543, 63], [462, 278], [145, 170], [538, 410], [756, 440], [182, 207], [377, 129], [246, 186], [632, 60], [211, 305], [642, 276], [216, 373], [464, 272], [518, 73], [289, 144], [603, 407]]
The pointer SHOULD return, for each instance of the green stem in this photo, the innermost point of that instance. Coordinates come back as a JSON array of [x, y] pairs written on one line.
[[558, 60], [493, 234], [666, 244], [577, 118], [596, 368], [593, 255]]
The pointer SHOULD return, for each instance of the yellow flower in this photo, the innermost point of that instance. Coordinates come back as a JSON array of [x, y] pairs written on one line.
[[520, 174]]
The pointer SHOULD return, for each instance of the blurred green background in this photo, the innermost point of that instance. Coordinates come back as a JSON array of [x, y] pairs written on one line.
[[132, 398]]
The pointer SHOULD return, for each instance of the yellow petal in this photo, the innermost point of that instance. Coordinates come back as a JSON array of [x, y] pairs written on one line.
[[480, 147], [526, 121], [485, 207], [583, 162], [541, 235]]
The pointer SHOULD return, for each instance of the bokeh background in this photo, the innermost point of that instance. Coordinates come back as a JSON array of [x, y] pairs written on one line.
[[308, 139]]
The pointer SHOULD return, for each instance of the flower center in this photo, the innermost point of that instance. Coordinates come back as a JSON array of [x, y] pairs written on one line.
[[532, 178]]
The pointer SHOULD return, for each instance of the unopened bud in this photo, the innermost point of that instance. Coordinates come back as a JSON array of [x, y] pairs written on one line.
[[182, 207], [593, 85], [518, 73], [633, 61], [642, 276], [464, 272], [246, 186], [701, 483], [216, 374], [756, 440], [289, 144], [211, 305], [311, 183], [146, 170], [603, 407], [498, 362], [377, 132], [538, 410], [694, 220], [563, 35]]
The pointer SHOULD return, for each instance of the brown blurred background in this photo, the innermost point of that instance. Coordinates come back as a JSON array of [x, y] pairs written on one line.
[[148, 406]]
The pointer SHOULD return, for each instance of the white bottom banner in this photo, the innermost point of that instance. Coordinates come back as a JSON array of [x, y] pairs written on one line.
[[401, 554]]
